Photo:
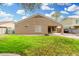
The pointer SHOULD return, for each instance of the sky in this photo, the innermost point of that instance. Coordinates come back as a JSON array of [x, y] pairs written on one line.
[[14, 11]]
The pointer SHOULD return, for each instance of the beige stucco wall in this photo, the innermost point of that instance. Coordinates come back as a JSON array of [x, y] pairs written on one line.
[[8, 24], [31, 23], [2, 30], [68, 22], [7, 27]]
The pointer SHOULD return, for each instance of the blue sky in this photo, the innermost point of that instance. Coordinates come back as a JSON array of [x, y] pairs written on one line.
[[13, 11]]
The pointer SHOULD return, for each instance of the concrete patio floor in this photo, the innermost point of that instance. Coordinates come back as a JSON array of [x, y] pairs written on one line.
[[65, 35], [9, 54]]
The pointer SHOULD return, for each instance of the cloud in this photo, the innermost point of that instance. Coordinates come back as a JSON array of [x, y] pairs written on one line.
[[46, 7], [49, 15], [74, 16], [21, 12], [7, 19], [4, 14], [23, 17], [62, 17], [67, 4], [77, 13], [64, 12], [45, 4], [52, 12], [8, 4], [65, 9], [73, 8]]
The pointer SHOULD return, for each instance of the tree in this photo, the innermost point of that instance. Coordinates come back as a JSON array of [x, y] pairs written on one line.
[[30, 6], [56, 15]]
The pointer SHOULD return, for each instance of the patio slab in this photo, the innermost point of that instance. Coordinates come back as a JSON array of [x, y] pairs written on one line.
[[65, 35], [9, 54]]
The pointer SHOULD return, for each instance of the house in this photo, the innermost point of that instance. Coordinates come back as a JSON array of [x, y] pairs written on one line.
[[38, 24], [71, 23], [7, 27]]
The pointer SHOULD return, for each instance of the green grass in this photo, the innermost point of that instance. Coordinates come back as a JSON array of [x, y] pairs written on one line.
[[39, 45]]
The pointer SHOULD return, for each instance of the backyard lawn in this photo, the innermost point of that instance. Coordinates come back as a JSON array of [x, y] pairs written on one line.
[[39, 45]]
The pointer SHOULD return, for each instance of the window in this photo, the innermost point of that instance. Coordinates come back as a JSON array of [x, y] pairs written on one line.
[[77, 21], [2, 30], [9, 29], [38, 28]]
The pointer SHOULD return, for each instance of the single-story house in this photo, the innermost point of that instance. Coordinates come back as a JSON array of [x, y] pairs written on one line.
[[7, 27], [38, 24]]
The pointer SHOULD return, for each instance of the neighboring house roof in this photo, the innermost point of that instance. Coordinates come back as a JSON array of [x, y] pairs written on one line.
[[2, 27], [3, 22], [38, 15]]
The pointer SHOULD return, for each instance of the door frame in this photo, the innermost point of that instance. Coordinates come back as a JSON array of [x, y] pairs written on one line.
[[51, 29]]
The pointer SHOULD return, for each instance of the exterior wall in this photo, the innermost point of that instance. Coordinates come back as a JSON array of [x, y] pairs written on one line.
[[68, 22], [9, 24], [2, 30], [72, 24], [28, 26], [10, 27]]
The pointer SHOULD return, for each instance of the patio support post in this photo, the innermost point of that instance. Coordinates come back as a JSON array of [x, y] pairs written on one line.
[[51, 30], [62, 30]]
